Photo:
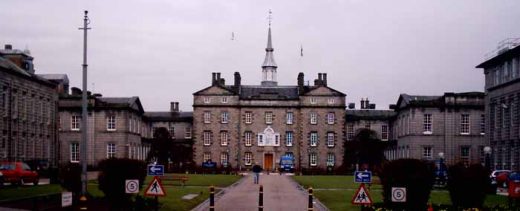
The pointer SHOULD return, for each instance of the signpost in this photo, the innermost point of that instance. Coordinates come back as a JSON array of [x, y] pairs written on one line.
[[155, 188], [363, 177], [155, 170], [132, 186], [362, 197], [398, 194], [66, 199]]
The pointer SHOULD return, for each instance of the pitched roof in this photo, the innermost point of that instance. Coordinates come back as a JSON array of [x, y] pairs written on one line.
[[354, 115], [269, 93], [500, 58], [166, 116], [10, 67]]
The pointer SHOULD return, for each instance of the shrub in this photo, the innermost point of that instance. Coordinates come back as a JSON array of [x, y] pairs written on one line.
[[417, 176], [112, 176], [70, 177], [468, 185]]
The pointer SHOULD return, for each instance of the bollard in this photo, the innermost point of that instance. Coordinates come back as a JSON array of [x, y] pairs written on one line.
[[311, 206], [261, 199], [212, 198], [83, 203]]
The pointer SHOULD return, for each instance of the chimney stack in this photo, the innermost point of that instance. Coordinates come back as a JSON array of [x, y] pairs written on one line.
[[8, 47], [237, 81], [362, 103], [174, 106], [324, 79], [213, 79], [300, 82]]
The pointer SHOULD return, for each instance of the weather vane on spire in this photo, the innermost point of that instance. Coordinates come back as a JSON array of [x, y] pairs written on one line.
[[270, 18]]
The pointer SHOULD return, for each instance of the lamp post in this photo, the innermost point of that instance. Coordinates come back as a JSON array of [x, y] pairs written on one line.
[[487, 161]]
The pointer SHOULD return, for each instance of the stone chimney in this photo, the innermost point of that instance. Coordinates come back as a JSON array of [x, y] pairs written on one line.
[[300, 82], [237, 81], [213, 79], [8, 47], [324, 79], [362, 106], [174, 106]]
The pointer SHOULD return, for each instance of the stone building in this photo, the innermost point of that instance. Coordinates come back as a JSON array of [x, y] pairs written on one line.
[[240, 125], [180, 125], [368, 117], [28, 106], [452, 124], [116, 128], [502, 85]]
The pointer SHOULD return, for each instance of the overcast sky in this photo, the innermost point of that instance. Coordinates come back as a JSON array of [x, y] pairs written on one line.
[[165, 50]]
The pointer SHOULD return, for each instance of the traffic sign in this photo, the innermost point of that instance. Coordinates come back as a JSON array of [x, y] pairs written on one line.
[[132, 186], [66, 199], [361, 197], [398, 194], [363, 176], [155, 170], [155, 188]]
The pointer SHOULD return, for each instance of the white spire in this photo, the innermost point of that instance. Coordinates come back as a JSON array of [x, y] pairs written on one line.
[[269, 66]]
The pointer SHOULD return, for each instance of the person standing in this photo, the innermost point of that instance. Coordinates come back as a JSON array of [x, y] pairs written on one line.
[[256, 170]]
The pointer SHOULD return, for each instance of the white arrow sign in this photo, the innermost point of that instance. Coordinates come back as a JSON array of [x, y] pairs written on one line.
[[154, 169], [361, 175]]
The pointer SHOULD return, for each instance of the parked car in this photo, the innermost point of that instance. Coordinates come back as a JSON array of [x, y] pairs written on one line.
[[18, 173], [503, 174]]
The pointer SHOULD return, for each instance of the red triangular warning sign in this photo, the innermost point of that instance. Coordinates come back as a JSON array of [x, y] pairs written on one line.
[[155, 188], [361, 196]]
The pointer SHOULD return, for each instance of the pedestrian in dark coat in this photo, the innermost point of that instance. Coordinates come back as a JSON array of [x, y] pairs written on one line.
[[256, 170]]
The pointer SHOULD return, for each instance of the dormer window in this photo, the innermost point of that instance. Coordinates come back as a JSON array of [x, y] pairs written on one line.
[[314, 100]]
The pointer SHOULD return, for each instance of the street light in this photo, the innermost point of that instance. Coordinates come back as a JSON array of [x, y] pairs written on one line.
[[487, 152]]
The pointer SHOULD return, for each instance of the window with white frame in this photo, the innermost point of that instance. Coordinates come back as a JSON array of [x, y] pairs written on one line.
[[313, 159], [74, 152], [207, 156], [187, 132], [75, 122], [331, 101], [350, 132], [268, 117], [248, 157], [314, 100], [130, 122], [427, 152], [331, 159], [314, 139], [224, 138], [224, 99], [111, 150], [465, 154], [330, 139], [224, 158], [482, 124], [207, 117], [249, 117], [331, 118], [206, 136], [207, 100], [248, 136], [111, 123], [290, 118], [288, 138], [464, 124], [427, 124], [384, 132], [224, 117], [314, 118]]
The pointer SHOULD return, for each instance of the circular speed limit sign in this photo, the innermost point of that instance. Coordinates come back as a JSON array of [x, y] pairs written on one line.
[[132, 186], [398, 194]]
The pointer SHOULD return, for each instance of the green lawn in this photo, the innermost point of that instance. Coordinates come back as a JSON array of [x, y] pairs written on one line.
[[18, 192], [342, 188], [196, 184]]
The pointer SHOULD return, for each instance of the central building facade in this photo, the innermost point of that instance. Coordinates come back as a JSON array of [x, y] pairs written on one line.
[[239, 125]]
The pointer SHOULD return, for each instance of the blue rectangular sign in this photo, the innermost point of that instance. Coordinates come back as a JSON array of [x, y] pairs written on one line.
[[363, 176], [155, 170]]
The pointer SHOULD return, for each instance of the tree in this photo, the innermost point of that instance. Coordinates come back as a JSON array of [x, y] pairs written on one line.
[[366, 149], [162, 144], [468, 185]]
